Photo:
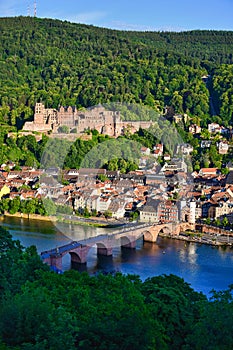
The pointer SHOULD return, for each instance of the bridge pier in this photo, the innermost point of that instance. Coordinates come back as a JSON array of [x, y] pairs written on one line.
[[105, 247], [79, 255], [130, 245], [55, 260], [104, 251], [128, 242]]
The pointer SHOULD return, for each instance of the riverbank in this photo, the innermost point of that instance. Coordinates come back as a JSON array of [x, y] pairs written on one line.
[[29, 217], [95, 222], [201, 238]]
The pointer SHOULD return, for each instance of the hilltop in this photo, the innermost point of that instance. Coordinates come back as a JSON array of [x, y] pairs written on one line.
[[62, 63]]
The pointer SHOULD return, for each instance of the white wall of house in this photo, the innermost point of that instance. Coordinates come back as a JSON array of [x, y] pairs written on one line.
[[148, 216]]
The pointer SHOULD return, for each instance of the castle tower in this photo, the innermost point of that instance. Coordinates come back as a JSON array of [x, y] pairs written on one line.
[[39, 113], [117, 123]]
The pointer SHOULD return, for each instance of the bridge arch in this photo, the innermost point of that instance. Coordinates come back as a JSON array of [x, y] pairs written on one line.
[[104, 249], [79, 254], [151, 234], [128, 242], [148, 236], [165, 229], [75, 257]]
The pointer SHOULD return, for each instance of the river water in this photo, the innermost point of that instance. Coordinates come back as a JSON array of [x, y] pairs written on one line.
[[203, 267]]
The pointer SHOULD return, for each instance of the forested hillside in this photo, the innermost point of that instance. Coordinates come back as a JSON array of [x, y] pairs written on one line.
[[62, 63]]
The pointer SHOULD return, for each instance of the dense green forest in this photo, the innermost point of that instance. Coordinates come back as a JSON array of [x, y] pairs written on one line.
[[42, 310], [62, 63], [100, 151]]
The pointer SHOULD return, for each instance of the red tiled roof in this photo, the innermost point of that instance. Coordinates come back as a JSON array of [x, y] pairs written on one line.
[[209, 170]]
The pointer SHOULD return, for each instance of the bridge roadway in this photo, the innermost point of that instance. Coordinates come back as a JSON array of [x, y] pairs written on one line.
[[62, 250]]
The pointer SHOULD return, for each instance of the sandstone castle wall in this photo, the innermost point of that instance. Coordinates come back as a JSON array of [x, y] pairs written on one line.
[[105, 121]]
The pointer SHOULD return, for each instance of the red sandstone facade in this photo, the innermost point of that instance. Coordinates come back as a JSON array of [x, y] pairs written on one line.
[[105, 121]]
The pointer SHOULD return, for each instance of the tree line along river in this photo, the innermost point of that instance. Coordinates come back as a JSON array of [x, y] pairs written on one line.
[[204, 267]]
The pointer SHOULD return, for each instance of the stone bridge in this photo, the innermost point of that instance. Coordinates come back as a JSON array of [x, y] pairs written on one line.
[[126, 237]]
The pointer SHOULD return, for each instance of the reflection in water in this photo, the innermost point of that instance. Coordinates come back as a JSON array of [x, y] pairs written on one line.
[[204, 267], [78, 267], [152, 249], [105, 263], [182, 255], [222, 251], [192, 255], [80, 232]]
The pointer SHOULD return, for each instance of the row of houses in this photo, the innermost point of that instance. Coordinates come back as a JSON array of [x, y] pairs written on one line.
[[213, 128], [154, 195]]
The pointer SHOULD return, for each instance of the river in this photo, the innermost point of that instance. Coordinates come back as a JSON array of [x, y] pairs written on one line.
[[203, 267]]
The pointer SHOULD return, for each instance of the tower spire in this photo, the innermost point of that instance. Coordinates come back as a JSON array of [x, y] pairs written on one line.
[[35, 8], [28, 10]]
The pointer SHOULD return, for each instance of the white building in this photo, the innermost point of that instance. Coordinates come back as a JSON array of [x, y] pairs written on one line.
[[223, 147], [192, 214], [213, 127], [185, 148]]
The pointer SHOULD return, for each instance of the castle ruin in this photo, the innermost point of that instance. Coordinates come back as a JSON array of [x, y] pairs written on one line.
[[104, 121]]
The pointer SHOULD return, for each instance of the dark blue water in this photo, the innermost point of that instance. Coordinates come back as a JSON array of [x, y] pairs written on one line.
[[204, 267]]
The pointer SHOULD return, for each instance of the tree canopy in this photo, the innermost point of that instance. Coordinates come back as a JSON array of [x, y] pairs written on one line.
[[40, 309], [64, 63]]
